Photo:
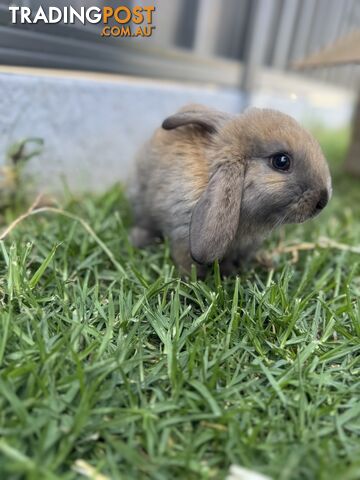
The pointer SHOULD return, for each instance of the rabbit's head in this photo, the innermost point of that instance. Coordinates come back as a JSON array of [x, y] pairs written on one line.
[[265, 170]]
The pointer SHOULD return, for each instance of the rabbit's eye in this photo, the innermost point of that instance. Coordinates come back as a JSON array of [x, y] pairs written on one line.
[[281, 161]]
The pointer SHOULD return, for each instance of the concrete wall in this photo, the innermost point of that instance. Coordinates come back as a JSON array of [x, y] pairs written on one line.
[[92, 125]]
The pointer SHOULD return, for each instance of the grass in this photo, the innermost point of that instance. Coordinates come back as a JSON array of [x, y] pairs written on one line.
[[115, 361]]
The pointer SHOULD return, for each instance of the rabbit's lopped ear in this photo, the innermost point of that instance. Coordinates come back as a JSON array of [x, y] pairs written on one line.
[[215, 218], [204, 117]]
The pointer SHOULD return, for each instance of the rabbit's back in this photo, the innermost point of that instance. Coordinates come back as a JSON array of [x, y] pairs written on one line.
[[171, 173]]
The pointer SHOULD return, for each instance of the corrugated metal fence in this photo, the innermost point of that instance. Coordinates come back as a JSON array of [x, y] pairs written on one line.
[[191, 36]]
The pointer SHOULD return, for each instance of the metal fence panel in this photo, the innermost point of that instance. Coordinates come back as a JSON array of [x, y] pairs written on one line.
[[274, 33]]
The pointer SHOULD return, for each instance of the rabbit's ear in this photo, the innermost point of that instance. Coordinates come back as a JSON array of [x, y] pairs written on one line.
[[204, 117], [215, 218]]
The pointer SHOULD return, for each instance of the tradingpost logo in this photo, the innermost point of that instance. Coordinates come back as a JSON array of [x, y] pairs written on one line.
[[120, 21]]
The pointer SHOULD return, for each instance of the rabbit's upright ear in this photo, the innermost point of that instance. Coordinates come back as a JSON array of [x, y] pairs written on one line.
[[216, 215], [205, 118]]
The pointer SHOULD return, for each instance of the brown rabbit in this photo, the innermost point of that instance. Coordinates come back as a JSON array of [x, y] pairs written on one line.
[[216, 184]]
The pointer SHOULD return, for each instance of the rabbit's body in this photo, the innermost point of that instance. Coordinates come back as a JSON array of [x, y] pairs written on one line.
[[162, 208], [198, 182]]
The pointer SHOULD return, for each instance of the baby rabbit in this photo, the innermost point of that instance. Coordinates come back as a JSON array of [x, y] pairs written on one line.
[[216, 184]]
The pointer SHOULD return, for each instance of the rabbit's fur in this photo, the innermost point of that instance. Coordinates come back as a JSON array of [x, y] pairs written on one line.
[[206, 181]]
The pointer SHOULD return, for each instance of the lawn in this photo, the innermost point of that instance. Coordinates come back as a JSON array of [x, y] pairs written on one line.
[[110, 360]]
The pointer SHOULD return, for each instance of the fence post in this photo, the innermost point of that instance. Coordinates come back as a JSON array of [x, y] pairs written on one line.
[[352, 163], [256, 44]]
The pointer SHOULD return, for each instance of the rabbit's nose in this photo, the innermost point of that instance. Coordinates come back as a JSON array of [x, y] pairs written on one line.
[[323, 200]]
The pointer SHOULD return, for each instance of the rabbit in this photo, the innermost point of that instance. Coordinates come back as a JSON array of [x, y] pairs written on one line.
[[217, 184]]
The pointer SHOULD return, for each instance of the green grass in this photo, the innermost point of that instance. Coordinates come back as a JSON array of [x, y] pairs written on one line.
[[107, 356]]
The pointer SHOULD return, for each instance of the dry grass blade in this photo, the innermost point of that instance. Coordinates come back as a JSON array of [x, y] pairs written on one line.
[[87, 470], [35, 211], [323, 242], [22, 217]]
